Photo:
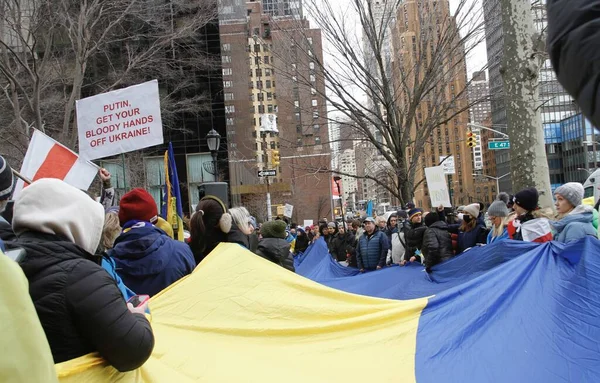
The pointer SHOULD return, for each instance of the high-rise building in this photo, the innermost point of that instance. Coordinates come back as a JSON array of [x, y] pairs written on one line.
[[449, 139], [555, 102], [275, 120], [480, 111]]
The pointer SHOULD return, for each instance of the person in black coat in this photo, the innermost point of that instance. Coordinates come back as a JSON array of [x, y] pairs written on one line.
[[79, 304], [274, 246], [302, 241], [573, 35], [414, 237], [437, 242], [344, 244]]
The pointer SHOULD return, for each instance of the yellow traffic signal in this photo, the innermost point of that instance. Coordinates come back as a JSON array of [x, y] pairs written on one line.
[[275, 157], [471, 140]]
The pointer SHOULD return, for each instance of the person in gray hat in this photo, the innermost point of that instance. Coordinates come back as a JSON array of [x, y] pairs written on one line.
[[498, 216], [575, 219], [372, 248]]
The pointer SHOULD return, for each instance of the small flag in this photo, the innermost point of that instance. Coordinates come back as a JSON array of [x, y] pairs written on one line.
[[46, 158], [172, 210]]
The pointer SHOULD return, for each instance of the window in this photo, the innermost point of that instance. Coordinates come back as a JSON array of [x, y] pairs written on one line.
[[259, 73], [310, 53], [227, 84], [267, 72], [315, 102], [294, 79], [269, 96], [251, 84], [297, 114], [269, 83], [294, 66], [227, 72], [310, 40], [225, 59], [311, 66], [226, 47], [261, 109], [228, 96], [313, 78], [315, 115], [251, 96], [270, 108], [266, 59], [256, 60], [313, 91], [265, 48], [259, 84], [229, 109], [260, 96], [316, 127], [254, 133], [229, 121], [256, 47], [317, 140], [297, 104]]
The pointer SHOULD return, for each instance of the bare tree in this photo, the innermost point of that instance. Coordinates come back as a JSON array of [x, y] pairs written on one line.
[[402, 81], [54, 52]]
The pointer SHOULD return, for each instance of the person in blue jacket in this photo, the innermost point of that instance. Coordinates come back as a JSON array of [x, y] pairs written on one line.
[[576, 221], [372, 247], [471, 232], [498, 215], [146, 258]]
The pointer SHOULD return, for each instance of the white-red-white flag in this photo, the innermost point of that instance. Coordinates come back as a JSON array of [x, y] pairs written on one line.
[[46, 158]]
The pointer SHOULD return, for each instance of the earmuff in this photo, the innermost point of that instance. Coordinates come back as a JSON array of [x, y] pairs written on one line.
[[225, 221]]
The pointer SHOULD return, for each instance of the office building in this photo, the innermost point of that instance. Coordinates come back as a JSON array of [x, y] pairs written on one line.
[[276, 117]]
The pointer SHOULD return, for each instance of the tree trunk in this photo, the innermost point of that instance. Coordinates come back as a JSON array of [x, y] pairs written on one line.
[[70, 138], [529, 164]]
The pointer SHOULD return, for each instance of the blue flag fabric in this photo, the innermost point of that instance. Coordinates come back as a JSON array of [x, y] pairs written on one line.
[[510, 311], [370, 209]]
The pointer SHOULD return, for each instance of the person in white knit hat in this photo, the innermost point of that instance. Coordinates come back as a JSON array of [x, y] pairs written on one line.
[[470, 232], [575, 219]]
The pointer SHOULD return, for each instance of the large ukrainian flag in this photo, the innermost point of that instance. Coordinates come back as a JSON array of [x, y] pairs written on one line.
[[512, 312]]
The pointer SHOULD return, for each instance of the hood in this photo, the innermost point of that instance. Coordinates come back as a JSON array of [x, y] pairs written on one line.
[[581, 213], [143, 251], [275, 246], [439, 225], [52, 206]]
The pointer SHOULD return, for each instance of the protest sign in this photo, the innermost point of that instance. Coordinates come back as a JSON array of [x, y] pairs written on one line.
[[119, 121], [46, 158], [448, 164], [288, 210], [438, 188], [308, 222]]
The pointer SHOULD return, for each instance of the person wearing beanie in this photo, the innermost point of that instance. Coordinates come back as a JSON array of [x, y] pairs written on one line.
[[530, 223], [146, 258], [414, 237], [79, 305], [504, 197], [437, 241], [372, 248], [498, 216], [273, 246], [576, 220], [471, 232]]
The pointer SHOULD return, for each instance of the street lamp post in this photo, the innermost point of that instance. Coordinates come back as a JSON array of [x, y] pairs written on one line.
[[213, 140], [337, 180], [494, 178]]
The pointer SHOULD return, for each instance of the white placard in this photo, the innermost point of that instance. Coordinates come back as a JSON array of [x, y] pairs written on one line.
[[448, 164], [120, 121], [288, 210], [268, 123], [438, 188], [307, 222]]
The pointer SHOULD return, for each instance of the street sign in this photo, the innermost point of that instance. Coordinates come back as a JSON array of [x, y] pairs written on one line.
[[497, 145], [267, 173]]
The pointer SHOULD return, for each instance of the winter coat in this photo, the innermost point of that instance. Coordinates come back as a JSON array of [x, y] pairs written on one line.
[[371, 250], [414, 240], [235, 235], [573, 46], [437, 244], [467, 239], [576, 225], [502, 237], [343, 244], [6, 231], [276, 250], [302, 242], [149, 261], [27, 356], [80, 306], [253, 242], [398, 246], [109, 265]]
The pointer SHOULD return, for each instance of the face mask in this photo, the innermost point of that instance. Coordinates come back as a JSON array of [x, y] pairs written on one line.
[[467, 218]]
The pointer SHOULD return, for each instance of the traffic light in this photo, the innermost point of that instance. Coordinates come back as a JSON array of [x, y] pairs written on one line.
[[471, 139], [275, 157]]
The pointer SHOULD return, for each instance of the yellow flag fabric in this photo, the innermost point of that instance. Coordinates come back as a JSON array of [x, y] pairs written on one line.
[[589, 201], [240, 318], [26, 355]]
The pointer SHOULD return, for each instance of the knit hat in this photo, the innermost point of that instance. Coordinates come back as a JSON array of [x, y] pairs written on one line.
[[504, 197], [139, 205], [472, 210], [414, 212], [498, 209], [273, 229], [431, 218], [331, 224], [527, 199], [402, 214], [6, 180], [572, 192]]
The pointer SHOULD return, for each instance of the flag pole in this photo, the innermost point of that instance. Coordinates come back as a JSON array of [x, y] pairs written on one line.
[[124, 175], [19, 175]]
